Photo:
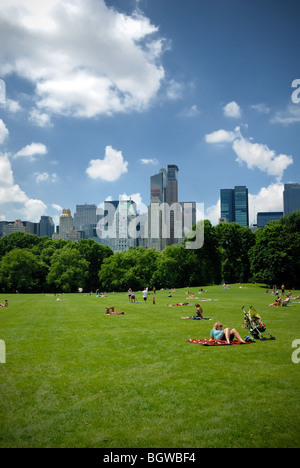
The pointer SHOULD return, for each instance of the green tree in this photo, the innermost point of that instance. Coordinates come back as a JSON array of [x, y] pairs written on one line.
[[22, 271], [94, 254], [275, 257], [206, 265], [175, 267], [234, 243], [131, 269], [68, 270]]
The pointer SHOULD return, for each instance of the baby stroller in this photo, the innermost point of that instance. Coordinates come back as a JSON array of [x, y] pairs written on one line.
[[253, 322]]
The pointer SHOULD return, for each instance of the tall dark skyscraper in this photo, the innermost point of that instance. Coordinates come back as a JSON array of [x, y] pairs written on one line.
[[291, 198], [235, 205], [172, 184], [227, 205], [241, 205], [46, 226]]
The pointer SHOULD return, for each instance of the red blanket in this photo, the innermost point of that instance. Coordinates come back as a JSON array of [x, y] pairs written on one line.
[[207, 342]]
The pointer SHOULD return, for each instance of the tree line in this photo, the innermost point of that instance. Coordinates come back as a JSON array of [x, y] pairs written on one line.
[[231, 254]]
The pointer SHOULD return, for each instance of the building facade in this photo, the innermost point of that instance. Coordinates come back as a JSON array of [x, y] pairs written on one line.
[[291, 198], [235, 205]]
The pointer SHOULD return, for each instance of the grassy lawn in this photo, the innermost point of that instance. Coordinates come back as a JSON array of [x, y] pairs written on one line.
[[74, 377]]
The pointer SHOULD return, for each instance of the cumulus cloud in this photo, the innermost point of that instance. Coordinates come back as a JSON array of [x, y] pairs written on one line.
[[84, 58], [257, 155], [12, 193], [222, 136], [110, 168], [254, 155], [30, 151], [268, 199], [232, 109]]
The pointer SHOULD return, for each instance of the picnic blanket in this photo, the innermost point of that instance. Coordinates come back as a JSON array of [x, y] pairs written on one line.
[[208, 342]]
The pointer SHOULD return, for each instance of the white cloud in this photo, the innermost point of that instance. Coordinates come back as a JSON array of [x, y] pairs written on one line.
[[193, 111], [259, 156], [232, 109], [213, 213], [290, 116], [222, 136], [34, 209], [30, 151], [3, 132], [268, 199], [149, 161], [255, 155], [45, 177], [12, 193], [110, 168], [57, 207], [41, 119], [174, 90], [261, 108], [83, 57], [12, 106]]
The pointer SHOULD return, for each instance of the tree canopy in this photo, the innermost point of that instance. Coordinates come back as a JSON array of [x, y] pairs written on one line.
[[231, 254]]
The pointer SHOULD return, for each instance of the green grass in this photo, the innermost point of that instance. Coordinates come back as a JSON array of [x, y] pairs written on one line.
[[76, 378]]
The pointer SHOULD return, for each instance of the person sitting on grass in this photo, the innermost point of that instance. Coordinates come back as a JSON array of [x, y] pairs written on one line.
[[286, 301], [277, 303], [5, 304], [199, 313], [217, 333], [111, 311]]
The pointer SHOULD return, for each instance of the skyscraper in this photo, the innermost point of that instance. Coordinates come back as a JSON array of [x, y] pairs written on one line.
[[172, 184], [46, 226], [158, 187], [85, 220], [168, 220], [241, 206], [291, 198], [235, 205], [227, 205]]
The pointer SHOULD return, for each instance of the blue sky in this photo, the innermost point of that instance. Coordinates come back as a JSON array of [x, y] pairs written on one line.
[[97, 95]]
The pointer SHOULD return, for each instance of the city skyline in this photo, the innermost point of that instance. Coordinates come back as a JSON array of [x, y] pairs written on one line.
[[212, 86]]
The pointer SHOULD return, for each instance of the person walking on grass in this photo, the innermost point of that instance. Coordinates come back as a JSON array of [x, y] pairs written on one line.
[[145, 295]]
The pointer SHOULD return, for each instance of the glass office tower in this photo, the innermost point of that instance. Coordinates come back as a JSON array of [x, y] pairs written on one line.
[[241, 207], [291, 198], [235, 205], [227, 205]]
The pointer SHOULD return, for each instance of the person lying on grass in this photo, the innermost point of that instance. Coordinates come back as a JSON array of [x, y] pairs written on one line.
[[180, 304], [217, 333], [111, 311], [5, 304]]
